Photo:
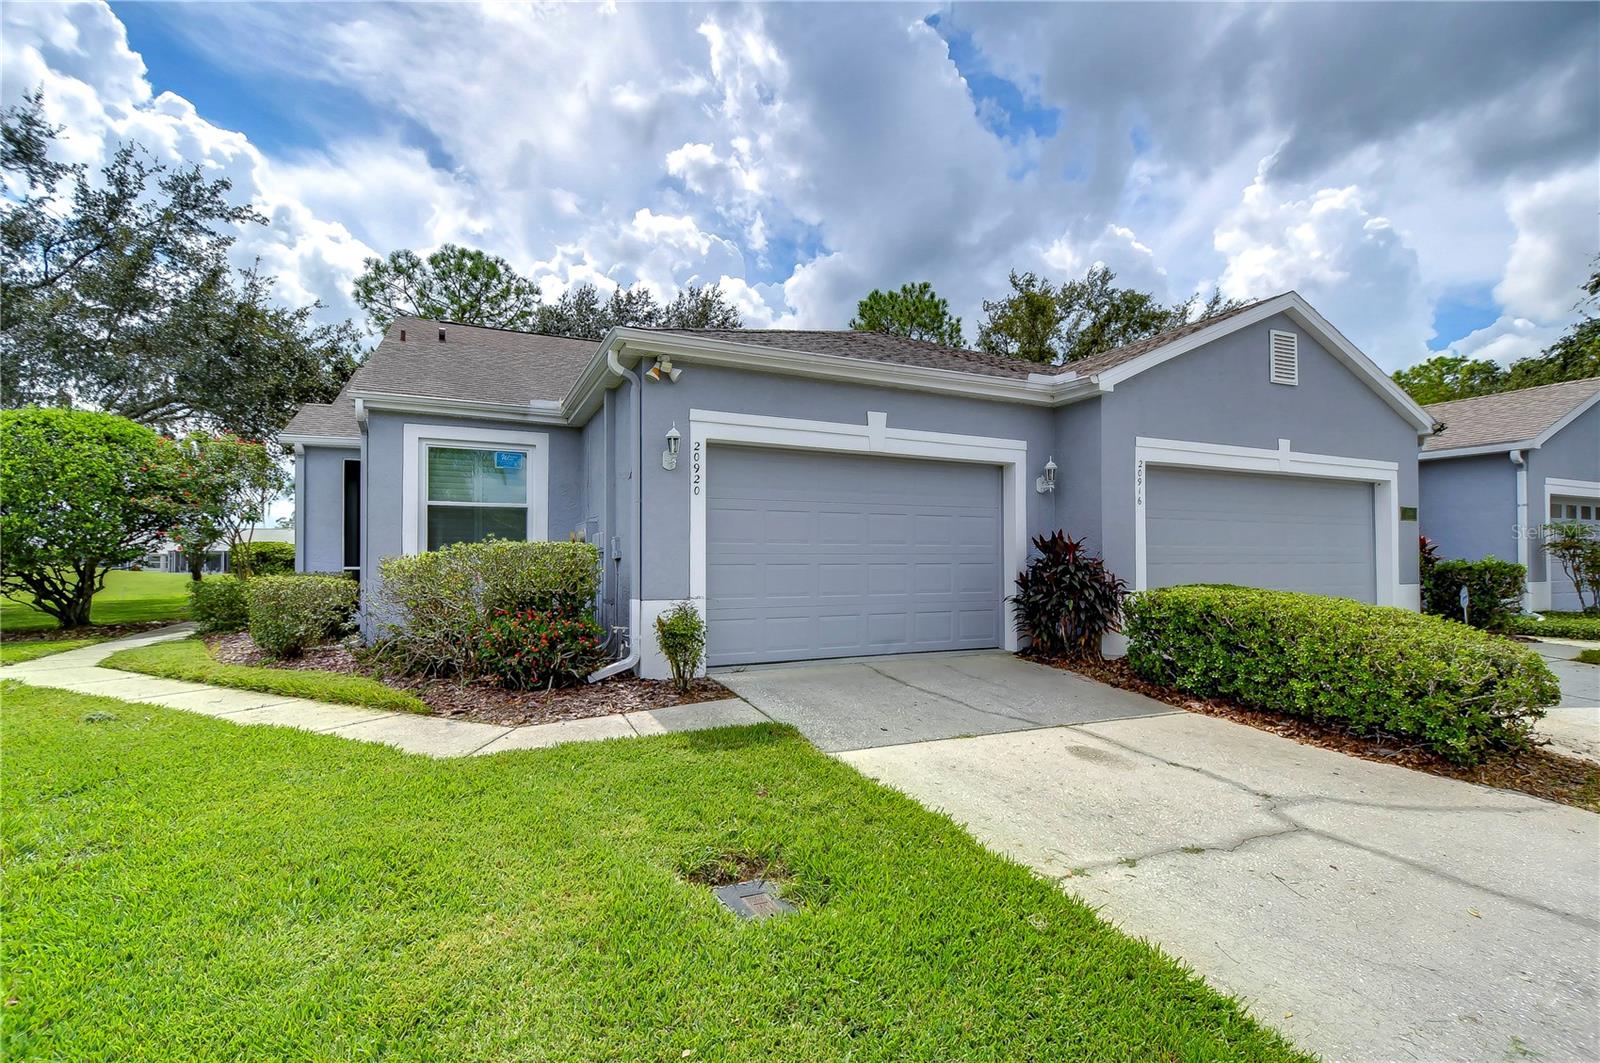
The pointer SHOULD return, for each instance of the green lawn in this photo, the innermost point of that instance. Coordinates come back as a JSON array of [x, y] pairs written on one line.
[[179, 886], [128, 598], [33, 649], [190, 659], [1589, 656]]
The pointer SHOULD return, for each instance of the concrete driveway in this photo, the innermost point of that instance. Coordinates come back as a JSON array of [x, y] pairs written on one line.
[[1368, 911]]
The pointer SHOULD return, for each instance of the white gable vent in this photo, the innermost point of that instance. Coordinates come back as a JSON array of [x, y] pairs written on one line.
[[1285, 358]]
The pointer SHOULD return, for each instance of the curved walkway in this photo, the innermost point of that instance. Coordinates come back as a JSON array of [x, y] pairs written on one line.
[[436, 736]]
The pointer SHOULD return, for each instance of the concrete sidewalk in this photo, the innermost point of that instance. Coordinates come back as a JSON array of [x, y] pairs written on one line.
[[435, 736], [1573, 726]]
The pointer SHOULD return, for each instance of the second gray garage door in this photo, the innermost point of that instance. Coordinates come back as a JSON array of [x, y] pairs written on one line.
[[1280, 532], [812, 555]]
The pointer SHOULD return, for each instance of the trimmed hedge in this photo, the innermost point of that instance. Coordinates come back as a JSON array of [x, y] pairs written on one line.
[[263, 558], [290, 614], [1556, 625], [218, 603], [437, 605], [1494, 590], [1460, 692]]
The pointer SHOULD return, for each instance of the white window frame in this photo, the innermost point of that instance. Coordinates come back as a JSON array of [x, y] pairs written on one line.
[[1539, 594], [1384, 476], [874, 437], [414, 489]]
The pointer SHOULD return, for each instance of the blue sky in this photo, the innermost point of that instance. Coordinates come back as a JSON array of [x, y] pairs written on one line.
[[1428, 175]]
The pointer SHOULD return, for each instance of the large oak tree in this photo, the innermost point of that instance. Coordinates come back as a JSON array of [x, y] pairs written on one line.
[[116, 292]]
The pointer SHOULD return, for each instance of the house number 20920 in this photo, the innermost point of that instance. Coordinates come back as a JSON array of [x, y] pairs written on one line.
[[698, 465]]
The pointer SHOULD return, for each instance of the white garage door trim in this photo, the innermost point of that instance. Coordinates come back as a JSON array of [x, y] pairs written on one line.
[[1285, 461], [874, 437], [1539, 594]]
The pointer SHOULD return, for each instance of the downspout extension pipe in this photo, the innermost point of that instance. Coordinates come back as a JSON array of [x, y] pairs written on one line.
[[1519, 458], [635, 548]]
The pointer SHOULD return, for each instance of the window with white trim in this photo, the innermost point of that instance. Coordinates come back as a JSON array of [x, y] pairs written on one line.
[[474, 494], [1283, 357]]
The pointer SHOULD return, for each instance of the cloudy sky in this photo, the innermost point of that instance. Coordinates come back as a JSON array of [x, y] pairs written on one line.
[[1428, 175]]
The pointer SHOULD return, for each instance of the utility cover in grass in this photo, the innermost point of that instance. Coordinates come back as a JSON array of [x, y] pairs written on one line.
[[755, 899]]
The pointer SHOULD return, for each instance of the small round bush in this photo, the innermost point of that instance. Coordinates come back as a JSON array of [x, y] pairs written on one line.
[[218, 603], [681, 635], [530, 648], [290, 614], [1066, 600]]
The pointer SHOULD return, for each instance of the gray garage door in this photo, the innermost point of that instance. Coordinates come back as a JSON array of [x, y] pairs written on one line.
[[1563, 595], [1285, 533], [815, 555]]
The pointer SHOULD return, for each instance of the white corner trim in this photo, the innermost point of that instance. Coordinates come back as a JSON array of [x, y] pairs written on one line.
[[1555, 485], [1283, 461], [872, 437], [415, 435]]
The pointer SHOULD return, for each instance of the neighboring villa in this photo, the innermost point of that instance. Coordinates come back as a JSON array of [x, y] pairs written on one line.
[[831, 494], [1502, 466], [168, 558]]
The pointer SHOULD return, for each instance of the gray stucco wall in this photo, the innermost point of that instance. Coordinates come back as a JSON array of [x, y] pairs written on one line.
[[384, 515], [1221, 393], [1080, 484], [666, 494], [1571, 454], [319, 508], [1469, 506]]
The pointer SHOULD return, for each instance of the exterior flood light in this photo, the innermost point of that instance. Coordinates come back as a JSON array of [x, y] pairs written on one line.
[[1047, 482], [663, 370], [669, 457]]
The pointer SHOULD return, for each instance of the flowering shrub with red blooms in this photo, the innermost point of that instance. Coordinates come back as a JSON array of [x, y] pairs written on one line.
[[531, 648]]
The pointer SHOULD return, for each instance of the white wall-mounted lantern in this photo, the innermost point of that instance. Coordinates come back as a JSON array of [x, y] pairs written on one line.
[[663, 370], [1047, 482], [669, 457]]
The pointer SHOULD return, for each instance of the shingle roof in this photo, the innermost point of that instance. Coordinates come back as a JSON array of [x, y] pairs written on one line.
[[1509, 417], [334, 420], [1097, 363], [873, 346], [475, 364], [498, 365]]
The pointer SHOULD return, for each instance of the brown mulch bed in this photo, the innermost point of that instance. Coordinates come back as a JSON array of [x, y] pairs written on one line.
[[482, 701], [1539, 772], [101, 631]]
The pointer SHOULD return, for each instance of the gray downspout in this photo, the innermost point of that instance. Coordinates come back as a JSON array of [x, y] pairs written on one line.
[[635, 548]]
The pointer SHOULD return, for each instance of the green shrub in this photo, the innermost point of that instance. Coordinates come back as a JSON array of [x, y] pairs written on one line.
[[437, 605], [1494, 590], [289, 614], [681, 636], [1066, 600], [218, 603], [1555, 626], [263, 559], [531, 648], [1458, 691]]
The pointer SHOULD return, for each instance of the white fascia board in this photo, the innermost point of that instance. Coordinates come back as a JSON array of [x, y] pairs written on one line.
[[1469, 452], [1301, 313], [1577, 411], [538, 411], [298, 441]]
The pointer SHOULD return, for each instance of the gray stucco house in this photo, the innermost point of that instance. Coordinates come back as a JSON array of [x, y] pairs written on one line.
[[828, 494], [1505, 464]]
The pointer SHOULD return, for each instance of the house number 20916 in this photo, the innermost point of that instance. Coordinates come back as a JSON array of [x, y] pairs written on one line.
[[698, 465]]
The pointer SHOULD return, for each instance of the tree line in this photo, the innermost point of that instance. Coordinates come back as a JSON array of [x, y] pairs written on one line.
[[117, 294]]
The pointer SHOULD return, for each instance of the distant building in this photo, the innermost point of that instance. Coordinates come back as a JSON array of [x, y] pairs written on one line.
[[168, 558]]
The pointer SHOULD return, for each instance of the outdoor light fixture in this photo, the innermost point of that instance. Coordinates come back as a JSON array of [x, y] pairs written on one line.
[[663, 370], [1047, 482], [669, 457]]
